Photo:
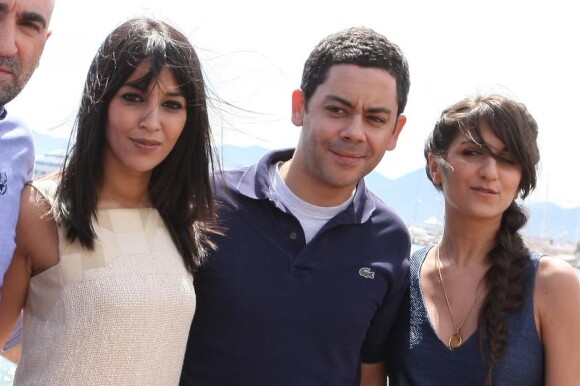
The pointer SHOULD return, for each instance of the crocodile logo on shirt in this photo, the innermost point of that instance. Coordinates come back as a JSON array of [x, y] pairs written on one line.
[[366, 273]]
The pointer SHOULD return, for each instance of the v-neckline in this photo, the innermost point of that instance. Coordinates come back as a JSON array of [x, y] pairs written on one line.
[[426, 310]]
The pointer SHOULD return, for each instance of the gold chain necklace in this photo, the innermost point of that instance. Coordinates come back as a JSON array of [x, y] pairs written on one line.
[[456, 339]]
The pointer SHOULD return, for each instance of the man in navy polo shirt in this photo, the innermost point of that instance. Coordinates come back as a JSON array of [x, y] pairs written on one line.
[[310, 272]]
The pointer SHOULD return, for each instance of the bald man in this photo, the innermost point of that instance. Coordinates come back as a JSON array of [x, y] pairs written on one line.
[[23, 34]]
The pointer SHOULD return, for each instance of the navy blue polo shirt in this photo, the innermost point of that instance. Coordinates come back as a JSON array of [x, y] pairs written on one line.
[[273, 310]]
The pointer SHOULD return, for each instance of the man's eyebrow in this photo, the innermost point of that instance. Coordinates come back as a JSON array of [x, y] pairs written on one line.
[[34, 17], [339, 99], [3, 8], [376, 110], [346, 102]]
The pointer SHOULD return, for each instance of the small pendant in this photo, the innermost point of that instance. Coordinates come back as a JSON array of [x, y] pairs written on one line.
[[455, 341]]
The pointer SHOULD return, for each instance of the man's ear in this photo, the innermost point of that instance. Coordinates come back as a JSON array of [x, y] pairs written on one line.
[[435, 170], [401, 120], [298, 107]]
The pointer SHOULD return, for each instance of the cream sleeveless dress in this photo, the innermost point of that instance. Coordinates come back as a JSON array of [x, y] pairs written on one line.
[[118, 315]]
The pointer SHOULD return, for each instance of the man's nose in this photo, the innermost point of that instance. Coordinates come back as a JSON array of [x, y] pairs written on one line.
[[8, 46], [354, 129]]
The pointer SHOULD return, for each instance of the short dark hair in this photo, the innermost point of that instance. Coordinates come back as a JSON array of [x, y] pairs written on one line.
[[360, 46], [180, 187]]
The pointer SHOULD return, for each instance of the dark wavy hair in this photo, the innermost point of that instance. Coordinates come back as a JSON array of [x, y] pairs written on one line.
[[360, 46], [511, 122], [180, 187]]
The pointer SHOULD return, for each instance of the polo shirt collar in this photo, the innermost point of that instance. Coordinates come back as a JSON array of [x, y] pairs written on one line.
[[255, 183]]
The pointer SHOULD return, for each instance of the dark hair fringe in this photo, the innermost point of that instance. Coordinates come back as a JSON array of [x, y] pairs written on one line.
[[180, 186]]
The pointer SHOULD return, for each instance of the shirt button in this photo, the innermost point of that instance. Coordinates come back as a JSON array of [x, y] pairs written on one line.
[[293, 235]]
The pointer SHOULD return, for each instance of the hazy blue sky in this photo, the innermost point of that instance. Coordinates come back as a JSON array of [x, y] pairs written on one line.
[[253, 51]]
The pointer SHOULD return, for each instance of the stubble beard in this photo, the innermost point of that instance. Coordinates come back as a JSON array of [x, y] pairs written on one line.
[[9, 90], [334, 177]]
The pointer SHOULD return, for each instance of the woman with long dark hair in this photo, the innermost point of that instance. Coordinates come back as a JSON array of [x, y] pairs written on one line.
[[483, 308], [106, 248]]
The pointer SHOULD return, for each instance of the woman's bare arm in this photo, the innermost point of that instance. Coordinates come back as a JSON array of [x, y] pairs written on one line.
[[36, 250], [557, 307]]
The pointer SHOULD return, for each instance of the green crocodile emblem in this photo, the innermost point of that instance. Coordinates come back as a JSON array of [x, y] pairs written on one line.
[[366, 273]]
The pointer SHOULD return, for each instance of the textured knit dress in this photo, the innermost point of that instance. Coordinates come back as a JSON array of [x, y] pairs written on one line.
[[118, 315]]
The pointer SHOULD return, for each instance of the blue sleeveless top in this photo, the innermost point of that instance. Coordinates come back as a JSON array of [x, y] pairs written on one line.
[[416, 355]]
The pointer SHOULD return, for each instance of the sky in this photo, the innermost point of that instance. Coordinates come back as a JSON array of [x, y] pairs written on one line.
[[253, 51]]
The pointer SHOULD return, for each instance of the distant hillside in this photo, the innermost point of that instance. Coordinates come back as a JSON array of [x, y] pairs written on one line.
[[233, 157], [416, 200], [411, 195], [47, 143]]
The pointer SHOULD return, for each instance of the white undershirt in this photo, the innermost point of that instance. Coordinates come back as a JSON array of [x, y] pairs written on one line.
[[311, 217]]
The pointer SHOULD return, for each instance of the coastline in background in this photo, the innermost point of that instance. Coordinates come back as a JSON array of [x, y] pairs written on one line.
[[554, 229]]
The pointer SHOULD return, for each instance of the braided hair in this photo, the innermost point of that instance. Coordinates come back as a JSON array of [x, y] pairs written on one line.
[[511, 122]]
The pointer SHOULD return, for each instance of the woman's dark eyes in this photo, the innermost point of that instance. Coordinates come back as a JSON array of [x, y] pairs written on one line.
[[130, 97], [135, 98], [173, 105]]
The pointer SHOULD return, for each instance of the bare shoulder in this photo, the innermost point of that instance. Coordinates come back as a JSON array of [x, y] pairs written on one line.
[[555, 274], [36, 233], [557, 308], [34, 210], [557, 287]]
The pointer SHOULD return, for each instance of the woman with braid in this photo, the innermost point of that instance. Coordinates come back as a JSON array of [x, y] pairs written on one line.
[[483, 309]]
